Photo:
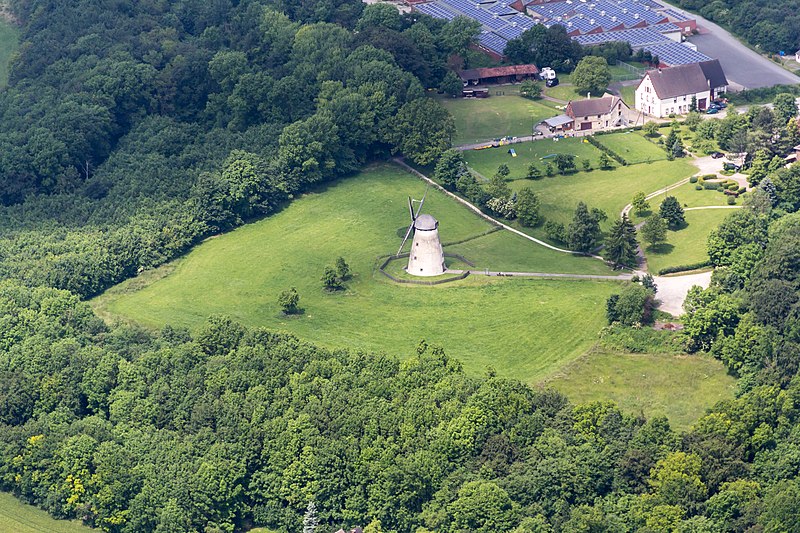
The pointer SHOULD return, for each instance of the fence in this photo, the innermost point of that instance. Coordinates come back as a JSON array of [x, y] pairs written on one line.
[[461, 276], [633, 70]]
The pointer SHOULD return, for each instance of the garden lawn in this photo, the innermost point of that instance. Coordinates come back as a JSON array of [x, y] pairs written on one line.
[[632, 148], [688, 196], [687, 245], [486, 161], [628, 95], [18, 517], [504, 251], [678, 387], [9, 40], [523, 328], [483, 119]]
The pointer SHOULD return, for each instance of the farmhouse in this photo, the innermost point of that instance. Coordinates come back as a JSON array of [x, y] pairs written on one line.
[[493, 75], [597, 113], [665, 91]]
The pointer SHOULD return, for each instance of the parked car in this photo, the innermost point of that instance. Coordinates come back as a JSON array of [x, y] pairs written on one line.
[[731, 166], [537, 133], [717, 155], [712, 111], [552, 82]]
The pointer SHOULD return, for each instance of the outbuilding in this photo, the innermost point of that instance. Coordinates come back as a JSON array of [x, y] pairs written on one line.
[[496, 75]]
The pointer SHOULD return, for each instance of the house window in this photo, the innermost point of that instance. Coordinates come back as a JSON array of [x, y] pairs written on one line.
[[674, 100]]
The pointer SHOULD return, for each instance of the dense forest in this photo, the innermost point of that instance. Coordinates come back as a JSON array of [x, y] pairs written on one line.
[[132, 130], [771, 26]]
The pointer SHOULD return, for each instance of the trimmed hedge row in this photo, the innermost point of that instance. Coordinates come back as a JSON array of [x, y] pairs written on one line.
[[603, 148], [762, 95], [684, 268]]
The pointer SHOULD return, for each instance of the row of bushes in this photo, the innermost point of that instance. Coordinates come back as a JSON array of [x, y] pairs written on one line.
[[684, 268], [603, 148], [727, 186], [762, 95]]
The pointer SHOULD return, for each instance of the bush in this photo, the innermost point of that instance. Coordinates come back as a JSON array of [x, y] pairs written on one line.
[[733, 187], [555, 231], [683, 268], [693, 179], [710, 185], [731, 200], [698, 187], [709, 176], [741, 190]]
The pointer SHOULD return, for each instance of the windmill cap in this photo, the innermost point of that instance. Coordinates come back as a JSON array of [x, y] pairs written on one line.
[[425, 223]]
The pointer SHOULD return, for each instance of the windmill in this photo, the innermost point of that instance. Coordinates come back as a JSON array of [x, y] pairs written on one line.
[[426, 257]]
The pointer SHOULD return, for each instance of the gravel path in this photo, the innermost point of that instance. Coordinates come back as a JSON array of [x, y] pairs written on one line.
[[672, 290]]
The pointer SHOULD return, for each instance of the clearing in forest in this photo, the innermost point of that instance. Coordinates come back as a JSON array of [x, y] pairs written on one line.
[[523, 328], [9, 41]]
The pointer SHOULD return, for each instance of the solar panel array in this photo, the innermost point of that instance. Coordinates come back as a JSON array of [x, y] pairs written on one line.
[[677, 15], [644, 25], [673, 53]]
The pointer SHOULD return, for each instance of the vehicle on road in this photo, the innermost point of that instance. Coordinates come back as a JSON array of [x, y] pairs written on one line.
[[712, 111], [717, 155]]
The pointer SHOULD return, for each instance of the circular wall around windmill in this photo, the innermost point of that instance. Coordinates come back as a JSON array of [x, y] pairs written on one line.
[[426, 256]]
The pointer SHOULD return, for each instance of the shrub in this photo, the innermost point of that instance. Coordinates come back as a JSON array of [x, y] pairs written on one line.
[[709, 176], [741, 190], [733, 187], [710, 185], [731, 200], [684, 268], [693, 179], [698, 187]]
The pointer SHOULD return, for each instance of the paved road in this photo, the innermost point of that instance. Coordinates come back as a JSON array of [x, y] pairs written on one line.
[[620, 277], [742, 65]]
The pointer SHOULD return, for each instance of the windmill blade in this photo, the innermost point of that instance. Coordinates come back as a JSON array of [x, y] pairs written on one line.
[[411, 209], [419, 209], [411, 227]]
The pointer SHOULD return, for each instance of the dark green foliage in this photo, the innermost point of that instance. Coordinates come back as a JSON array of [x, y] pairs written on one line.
[[591, 75], [564, 163], [545, 46], [331, 280], [634, 305], [422, 130], [288, 300], [555, 231], [671, 211], [342, 268], [654, 230], [450, 168], [533, 172], [621, 243], [584, 230], [528, 207]]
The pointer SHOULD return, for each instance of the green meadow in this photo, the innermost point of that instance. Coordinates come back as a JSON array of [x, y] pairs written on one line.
[[680, 387], [9, 40], [524, 328], [632, 147], [686, 245], [18, 517]]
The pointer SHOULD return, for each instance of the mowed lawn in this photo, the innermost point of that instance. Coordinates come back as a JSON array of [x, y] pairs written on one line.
[[482, 119], [632, 147], [609, 190], [523, 328], [18, 517], [688, 196], [9, 40], [679, 387], [686, 245]]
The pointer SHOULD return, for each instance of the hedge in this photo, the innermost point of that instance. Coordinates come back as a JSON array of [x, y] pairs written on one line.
[[684, 268], [603, 148]]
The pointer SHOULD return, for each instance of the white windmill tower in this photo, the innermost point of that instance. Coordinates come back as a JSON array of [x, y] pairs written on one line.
[[426, 257]]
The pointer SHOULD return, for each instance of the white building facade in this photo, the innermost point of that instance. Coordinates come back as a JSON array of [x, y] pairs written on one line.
[[663, 92]]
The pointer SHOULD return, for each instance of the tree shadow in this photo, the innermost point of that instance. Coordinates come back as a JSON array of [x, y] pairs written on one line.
[[297, 313], [661, 248]]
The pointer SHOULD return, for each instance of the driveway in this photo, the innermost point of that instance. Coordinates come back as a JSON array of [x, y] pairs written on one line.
[[672, 290], [742, 66]]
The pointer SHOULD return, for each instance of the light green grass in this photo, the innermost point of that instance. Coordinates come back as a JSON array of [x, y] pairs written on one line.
[[523, 328], [688, 196], [628, 95], [632, 147], [482, 119], [678, 387], [18, 517], [504, 251], [9, 40], [609, 190], [687, 245]]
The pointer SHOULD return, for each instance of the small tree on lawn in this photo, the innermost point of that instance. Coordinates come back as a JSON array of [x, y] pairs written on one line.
[[677, 148], [671, 211], [621, 243], [450, 167], [605, 161], [288, 301], [342, 268], [498, 188], [528, 207], [654, 230], [530, 89], [640, 203], [533, 172], [564, 162], [651, 129], [330, 280], [548, 169], [587, 165], [693, 104], [503, 171]]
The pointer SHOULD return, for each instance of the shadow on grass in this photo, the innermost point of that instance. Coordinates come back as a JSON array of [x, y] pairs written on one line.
[[663, 248]]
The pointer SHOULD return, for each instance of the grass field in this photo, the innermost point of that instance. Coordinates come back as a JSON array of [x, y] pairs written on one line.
[[17, 517], [686, 245], [481, 119], [523, 328], [679, 387], [628, 95], [609, 190], [9, 40], [632, 147]]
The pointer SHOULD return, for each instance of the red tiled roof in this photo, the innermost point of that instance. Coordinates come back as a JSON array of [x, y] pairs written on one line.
[[495, 72]]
